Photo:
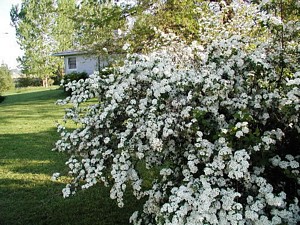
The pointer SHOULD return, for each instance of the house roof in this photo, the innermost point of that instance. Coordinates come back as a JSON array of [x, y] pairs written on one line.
[[69, 52]]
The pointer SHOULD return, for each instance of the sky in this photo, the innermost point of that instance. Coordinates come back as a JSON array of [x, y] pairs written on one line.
[[9, 48]]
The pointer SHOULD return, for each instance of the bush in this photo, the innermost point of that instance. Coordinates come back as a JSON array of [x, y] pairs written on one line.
[[6, 81], [219, 121], [28, 82], [73, 78], [2, 98]]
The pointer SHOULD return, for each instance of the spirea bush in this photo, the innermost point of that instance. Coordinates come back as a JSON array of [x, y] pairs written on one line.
[[219, 121]]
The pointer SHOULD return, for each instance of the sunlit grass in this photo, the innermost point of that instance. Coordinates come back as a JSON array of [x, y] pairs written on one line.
[[27, 193]]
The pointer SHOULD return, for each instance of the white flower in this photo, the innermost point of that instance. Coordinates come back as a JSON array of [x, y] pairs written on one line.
[[289, 157], [154, 102], [276, 20], [238, 165], [294, 164], [252, 215], [240, 63], [256, 147], [245, 130], [156, 144], [275, 160], [283, 164], [239, 134], [106, 140], [126, 46], [66, 191], [155, 70], [222, 140], [55, 176], [266, 116]]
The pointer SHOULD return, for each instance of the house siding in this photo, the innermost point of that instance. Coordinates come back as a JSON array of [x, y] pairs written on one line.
[[84, 63]]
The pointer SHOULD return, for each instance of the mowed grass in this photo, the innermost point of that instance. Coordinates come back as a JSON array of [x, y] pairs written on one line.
[[27, 194]]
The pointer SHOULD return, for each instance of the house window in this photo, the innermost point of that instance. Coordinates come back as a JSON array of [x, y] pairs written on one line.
[[72, 62]]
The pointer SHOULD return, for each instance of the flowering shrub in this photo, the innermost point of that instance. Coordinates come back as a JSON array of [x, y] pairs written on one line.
[[220, 121]]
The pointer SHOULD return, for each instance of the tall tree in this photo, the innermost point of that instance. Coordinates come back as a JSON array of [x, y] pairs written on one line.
[[63, 32], [63, 26], [33, 26]]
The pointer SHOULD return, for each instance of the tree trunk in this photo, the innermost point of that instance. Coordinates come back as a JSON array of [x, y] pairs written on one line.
[[45, 82]]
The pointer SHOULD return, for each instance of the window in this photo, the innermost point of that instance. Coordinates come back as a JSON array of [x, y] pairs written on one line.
[[72, 62]]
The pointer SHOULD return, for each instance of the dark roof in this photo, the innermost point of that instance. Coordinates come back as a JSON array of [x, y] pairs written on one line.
[[69, 52]]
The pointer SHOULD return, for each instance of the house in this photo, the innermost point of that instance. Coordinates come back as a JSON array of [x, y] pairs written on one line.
[[81, 61]]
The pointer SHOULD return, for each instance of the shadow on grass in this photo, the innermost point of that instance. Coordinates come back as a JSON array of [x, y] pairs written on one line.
[[2, 98], [27, 98], [43, 204], [31, 146], [28, 196]]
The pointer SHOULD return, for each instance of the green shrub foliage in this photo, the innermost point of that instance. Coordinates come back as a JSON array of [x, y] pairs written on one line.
[[74, 76], [28, 82], [6, 81]]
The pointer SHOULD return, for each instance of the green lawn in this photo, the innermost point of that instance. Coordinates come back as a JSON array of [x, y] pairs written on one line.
[[27, 194]]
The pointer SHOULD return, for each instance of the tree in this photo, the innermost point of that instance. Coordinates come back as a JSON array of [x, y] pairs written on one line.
[[217, 117], [109, 24], [6, 81], [97, 26], [43, 27], [178, 17], [33, 28], [63, 25], [113, 24], [63, 30]]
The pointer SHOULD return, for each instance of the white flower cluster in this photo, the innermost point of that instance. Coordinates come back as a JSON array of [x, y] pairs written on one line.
[[213, 118], [290, 165]]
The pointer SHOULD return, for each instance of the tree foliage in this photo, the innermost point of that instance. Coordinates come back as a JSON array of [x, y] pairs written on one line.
[[111, 24], [32, 22], [98, 25], [178, 17], [63, 31], [43, 27]]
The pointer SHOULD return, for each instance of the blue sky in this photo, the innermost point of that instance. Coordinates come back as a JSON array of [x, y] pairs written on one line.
[[9, 49]]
